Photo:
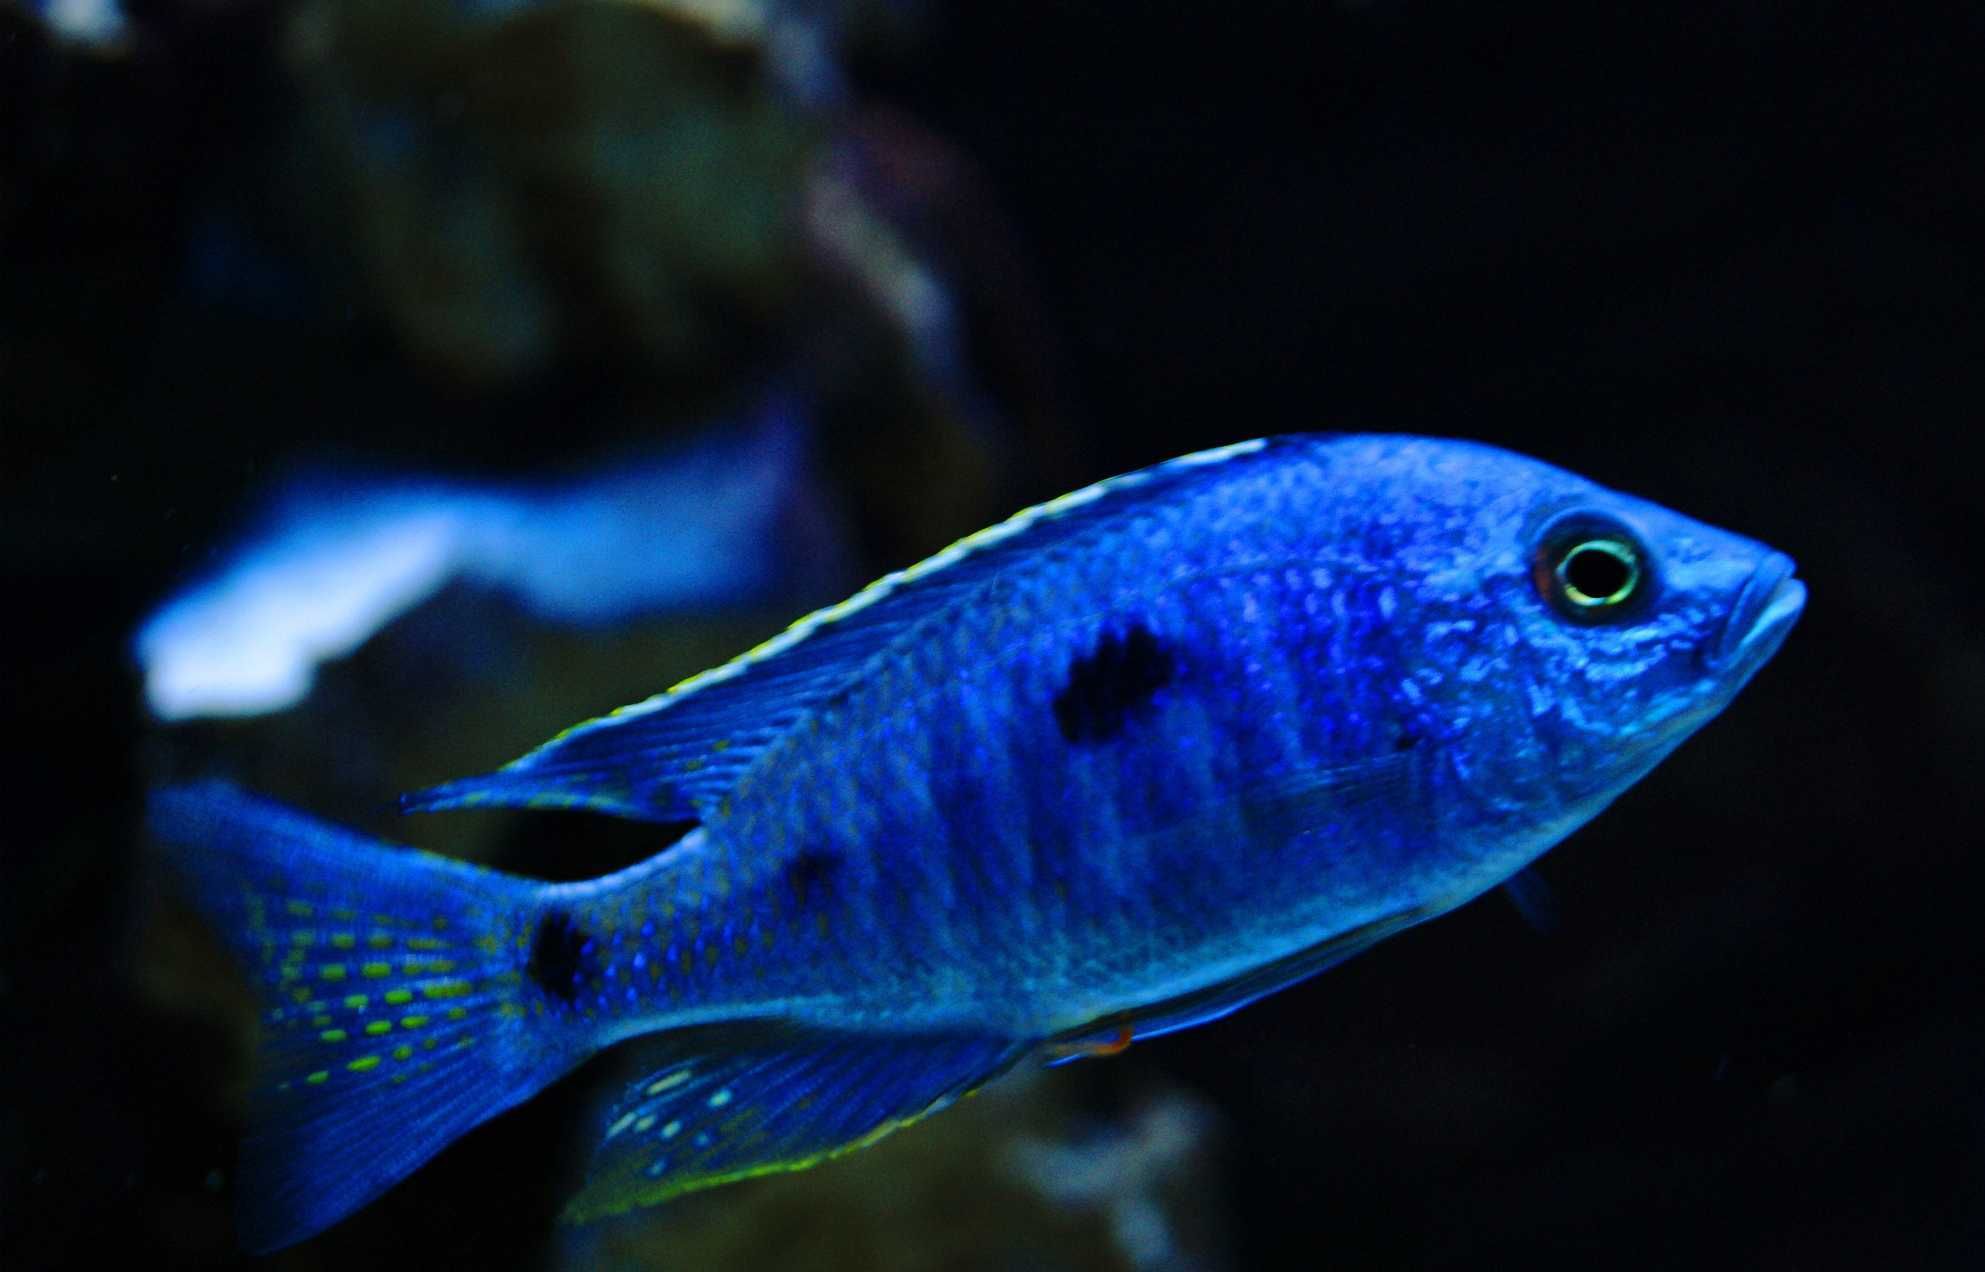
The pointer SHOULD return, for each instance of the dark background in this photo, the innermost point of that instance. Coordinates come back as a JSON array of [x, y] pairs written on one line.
[[1726, 258]]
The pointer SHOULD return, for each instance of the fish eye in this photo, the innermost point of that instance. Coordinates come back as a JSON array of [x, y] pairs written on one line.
[[1592, 569]]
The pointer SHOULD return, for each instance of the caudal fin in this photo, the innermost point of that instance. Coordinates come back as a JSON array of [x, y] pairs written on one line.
[[395, 1008]]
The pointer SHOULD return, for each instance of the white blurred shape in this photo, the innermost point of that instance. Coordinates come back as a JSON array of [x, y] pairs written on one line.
[[93, 22], [1119, 1172], [337, 563]]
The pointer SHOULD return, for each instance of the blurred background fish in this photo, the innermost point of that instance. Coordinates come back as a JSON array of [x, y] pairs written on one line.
[[710, 527], [268, 261]]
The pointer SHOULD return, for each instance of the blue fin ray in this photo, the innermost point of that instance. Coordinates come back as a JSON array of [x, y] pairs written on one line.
[[679, 752], [393, 1002], [728, 1102]]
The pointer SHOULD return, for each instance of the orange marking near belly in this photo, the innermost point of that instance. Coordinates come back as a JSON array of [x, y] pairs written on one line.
[[1114, 1046]]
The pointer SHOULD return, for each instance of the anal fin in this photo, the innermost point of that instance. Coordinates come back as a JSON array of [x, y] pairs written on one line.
[[729, 1102]]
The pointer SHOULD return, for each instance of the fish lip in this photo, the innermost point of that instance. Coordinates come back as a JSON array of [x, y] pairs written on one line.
[[1771, 600]]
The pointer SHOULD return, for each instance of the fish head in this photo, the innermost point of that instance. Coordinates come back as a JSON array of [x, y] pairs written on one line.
[[1569, 636]]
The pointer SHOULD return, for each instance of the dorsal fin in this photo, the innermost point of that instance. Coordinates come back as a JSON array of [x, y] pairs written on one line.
[[673, 755]]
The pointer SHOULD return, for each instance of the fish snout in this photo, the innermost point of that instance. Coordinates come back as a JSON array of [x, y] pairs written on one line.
[[1765, 610]]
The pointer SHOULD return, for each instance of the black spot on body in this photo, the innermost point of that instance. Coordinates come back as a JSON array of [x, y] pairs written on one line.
[[558, 952], [810, 875], [1112, 683]]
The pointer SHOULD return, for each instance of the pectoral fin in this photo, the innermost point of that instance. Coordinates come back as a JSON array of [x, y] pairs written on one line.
[[1533, 898]]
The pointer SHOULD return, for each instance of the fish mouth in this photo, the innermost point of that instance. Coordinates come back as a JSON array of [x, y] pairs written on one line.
[[1766, 609]]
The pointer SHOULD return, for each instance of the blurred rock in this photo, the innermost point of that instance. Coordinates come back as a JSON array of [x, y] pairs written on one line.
[[595, 181]]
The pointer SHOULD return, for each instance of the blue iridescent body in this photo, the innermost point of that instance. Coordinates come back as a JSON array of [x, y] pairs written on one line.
[[1115, 767]]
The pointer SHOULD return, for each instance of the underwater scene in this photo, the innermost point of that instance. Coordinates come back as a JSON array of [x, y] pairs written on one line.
[[884, 634]]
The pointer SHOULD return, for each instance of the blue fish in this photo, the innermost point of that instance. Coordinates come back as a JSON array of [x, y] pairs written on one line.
[[1117, 766]]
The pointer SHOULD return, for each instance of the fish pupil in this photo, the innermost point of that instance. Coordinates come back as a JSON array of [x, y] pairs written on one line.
[[1112, 683], [558, 951], [1599, 572]]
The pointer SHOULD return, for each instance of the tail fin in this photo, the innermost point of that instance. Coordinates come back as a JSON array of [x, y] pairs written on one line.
[[395, 1005]]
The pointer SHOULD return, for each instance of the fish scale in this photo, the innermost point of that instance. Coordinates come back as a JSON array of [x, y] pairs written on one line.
[[1117, 766]]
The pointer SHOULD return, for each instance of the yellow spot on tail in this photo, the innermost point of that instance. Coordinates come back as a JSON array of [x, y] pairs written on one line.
[[343, 940], [427, 943], [322, 1075], [380, 941], [334, 1035], [398, 996], [378, 1027], [428, 966], [364, 1064], [403, 1053], [457, 1013], [356, 1001], [375, 971], [412, 1022], [332, 971], [447, 989]]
